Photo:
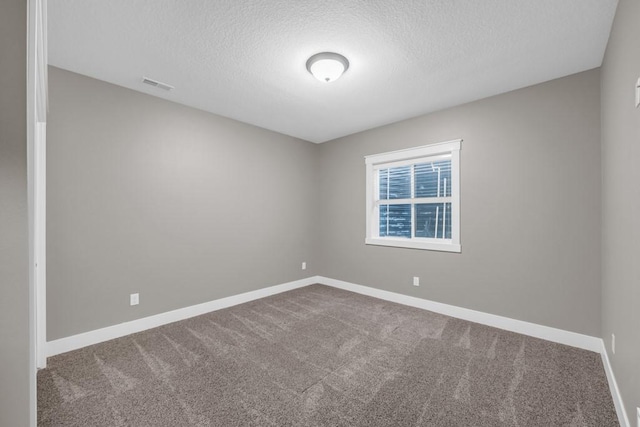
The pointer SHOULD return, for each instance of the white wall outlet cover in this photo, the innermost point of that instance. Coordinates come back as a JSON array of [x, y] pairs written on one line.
[[613, 343], [416, 281], [638, 93], [304, 265], [134, 299]]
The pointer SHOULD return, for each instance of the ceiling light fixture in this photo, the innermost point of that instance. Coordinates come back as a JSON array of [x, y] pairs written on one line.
[[327, 66]]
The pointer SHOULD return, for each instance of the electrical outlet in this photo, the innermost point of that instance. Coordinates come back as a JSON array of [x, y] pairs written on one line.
[[304, 265], [613, 343], [416, 281], [637, 93], [134, 299]]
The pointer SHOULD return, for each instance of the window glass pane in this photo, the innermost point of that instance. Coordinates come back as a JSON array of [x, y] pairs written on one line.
[[395, 183], [395, 221], [433, 220], [433, 179]]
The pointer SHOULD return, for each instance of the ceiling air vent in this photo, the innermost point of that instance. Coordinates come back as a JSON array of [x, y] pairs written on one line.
[[155, 83]]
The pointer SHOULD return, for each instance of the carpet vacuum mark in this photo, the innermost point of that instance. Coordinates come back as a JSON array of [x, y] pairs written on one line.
[[319, 356]]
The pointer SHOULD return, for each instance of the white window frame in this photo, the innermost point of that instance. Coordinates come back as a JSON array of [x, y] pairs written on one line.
[[411, 156]]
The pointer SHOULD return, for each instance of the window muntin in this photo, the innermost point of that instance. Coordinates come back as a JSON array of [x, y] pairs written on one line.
[[413, 198]]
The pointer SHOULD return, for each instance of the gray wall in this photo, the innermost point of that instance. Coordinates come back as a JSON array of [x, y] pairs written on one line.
[[530, 215], [182, 206], [621, 202], [14, 251]]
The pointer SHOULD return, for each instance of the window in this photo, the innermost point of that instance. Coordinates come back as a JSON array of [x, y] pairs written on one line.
[[413, 197]]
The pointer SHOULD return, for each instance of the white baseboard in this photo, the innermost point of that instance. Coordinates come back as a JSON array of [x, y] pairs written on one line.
[[613, 385], [573, 339], [75, 342], [548, 333]]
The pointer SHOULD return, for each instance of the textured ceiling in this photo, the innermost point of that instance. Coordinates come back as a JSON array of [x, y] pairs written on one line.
[[245, 59]]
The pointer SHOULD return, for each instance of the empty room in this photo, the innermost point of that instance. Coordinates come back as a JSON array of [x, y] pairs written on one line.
[[298, 213]]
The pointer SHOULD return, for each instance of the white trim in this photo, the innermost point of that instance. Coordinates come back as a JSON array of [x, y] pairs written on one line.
[[613, 385], [75, 342], [416, 152], [415, 243], [36, 115], [36, 149], [42, 75], [413, 200], [40, 230], [31, 136], [410, 156], [573, 339], [548, 333], [455, 194], [410, 161]]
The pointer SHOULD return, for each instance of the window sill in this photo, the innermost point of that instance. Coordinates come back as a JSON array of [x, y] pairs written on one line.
[[414, 244]]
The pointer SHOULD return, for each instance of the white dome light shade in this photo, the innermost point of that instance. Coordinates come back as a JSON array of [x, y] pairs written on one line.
[[327, 70], [327, 66]]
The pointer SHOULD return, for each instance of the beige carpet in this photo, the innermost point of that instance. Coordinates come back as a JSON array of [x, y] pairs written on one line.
[[319, 356]]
